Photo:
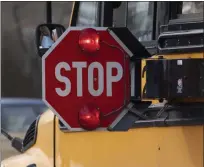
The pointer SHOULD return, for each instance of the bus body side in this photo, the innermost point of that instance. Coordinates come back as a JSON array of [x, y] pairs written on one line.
[[147, 147]]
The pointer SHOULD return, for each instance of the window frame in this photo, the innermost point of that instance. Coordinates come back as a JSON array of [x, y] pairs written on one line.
[[176, 15], [178, 23], [153, 35], [74, 15], [150, 45]]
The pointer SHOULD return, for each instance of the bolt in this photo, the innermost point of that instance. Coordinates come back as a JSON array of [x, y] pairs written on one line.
[[166, 43]]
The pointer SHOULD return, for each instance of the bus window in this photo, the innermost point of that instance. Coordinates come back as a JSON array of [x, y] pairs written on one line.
[[140, 19], [88, 14], [188, 10], [192, 7]]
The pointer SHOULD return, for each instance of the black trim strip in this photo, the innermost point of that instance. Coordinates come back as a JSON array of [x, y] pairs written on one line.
[[54, 142], [138, 77], [177, 25], [181, 41], [75, 13], [49, 11], [154, 21], [107, 14], [162, 122]]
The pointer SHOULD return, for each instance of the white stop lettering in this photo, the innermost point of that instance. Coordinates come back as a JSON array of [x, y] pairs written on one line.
[[91, 79]]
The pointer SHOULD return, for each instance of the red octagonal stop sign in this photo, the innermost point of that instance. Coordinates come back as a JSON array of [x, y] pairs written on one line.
[[73, 78]]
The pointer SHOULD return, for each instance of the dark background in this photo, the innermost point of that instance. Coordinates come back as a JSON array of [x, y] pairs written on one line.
[[20, 65]]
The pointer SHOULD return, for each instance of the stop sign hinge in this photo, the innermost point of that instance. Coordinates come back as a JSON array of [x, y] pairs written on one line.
[[128, 117]]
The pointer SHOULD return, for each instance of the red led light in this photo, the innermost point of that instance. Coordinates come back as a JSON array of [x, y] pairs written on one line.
[[89, 40], [89, 117]]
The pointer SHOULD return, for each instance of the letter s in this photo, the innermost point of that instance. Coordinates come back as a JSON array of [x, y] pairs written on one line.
[[61, 78]]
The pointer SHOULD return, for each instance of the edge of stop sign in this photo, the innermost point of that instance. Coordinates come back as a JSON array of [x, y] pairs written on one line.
[[43, 71]]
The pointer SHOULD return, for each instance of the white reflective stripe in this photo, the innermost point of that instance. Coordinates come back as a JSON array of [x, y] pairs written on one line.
[[132, 72]]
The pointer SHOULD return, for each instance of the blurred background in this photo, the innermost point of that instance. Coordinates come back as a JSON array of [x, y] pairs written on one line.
[[21, 67]]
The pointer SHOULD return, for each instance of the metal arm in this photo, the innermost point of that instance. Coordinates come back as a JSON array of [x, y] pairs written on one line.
[[9, 137], [16, 142]]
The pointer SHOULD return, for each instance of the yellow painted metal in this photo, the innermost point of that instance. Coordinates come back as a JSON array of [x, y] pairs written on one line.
[[148, 147], [142, 147]]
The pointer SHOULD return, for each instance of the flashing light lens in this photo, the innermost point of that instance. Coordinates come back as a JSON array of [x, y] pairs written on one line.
[[89, 117], [89, 40]]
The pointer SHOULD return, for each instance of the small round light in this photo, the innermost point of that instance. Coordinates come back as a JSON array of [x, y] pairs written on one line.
[[89, 40], [89, 117]]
